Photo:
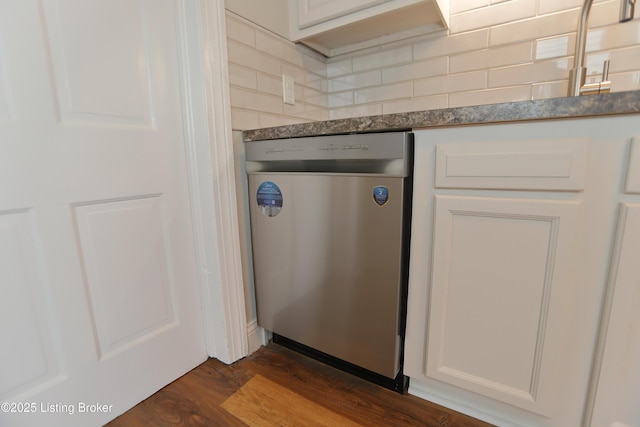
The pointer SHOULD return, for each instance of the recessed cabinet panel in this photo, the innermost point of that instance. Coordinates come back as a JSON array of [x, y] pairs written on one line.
[[513, 165], [616, 402], [497, 263], [633, 172]]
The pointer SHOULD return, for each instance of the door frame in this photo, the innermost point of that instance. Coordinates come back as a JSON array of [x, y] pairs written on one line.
[[204, 79]]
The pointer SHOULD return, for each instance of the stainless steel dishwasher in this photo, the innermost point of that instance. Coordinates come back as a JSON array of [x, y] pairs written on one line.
[[330, 221]]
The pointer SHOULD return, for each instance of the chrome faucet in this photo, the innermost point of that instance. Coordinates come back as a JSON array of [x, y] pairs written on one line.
[[578, 74]]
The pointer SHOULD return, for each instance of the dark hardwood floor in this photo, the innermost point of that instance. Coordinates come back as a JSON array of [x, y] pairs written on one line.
[[196, 398]]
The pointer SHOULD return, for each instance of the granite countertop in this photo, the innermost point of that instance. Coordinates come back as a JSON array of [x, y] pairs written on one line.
[[544, 109]]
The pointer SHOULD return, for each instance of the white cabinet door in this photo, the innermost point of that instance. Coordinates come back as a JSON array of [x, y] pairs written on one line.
[[311, 12], [618, 385], [502, 278], [512, 229], [99, 300]]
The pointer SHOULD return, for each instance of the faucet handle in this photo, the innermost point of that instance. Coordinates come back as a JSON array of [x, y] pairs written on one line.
[[605, 70], [596, 88]]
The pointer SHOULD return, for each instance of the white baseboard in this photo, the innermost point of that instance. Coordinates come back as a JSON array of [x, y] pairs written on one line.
[[256, 335], [424, 392]]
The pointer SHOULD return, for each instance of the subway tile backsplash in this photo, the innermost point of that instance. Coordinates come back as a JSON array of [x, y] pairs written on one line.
[[257, 61], [495, 51]]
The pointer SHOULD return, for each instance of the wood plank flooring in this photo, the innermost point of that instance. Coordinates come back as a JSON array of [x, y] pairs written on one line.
[[210, 394]]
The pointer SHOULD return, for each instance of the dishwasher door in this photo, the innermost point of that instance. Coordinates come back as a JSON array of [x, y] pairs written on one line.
[[327, 254]]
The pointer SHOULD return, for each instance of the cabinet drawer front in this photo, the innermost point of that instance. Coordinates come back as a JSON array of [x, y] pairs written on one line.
[[633, 172], [526, 165]]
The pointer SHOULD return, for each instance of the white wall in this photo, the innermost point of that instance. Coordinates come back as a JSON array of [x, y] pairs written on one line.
[[495, 51]]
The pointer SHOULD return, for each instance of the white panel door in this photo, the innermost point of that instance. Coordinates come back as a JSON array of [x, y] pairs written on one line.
[[99, 305], [502, 272]]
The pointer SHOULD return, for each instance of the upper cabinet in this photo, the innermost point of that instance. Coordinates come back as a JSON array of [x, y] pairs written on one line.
[[333, 27]]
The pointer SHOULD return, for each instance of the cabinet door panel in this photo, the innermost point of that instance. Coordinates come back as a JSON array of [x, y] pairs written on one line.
[[497, 264], [311, 12]]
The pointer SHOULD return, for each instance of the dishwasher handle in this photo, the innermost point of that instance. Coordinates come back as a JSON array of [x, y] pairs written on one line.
[[386, 167]]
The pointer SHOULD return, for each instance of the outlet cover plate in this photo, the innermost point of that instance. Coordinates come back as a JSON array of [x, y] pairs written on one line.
[[288, 90]]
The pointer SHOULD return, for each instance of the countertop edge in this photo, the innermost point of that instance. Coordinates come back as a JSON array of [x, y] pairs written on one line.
[[618, 103]]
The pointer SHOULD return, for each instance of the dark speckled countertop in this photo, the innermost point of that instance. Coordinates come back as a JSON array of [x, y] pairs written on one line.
[[544, 109]]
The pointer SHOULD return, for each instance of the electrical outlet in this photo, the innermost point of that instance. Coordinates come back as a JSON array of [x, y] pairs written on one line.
[[288, 90]]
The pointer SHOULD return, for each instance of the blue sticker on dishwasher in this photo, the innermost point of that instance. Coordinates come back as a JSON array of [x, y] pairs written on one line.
[[269, 198], [380, 195]]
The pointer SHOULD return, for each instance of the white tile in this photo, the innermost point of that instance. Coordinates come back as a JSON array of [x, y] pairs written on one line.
[[358, 111], [549, 90], [555, 47], [243, 119], [441, 46], [313, 81], [297, 110], [382, 59], [626, 59], [415, 104], [383, 93], [604, 13], [415, 70], [493, 15], [621, 82], [491, 58], [450, 84], [313, 97], [240, 32], [490, 96], [313, 64], [556, 69], [243, 77], [340, 99], [535, 28], [269, 84], [251, 58], [270, 120], [315, 113], [299, 74], [250, 100], [278, 48], [614, 36], [354, 81], [339, 67], [550, 6], [458, 6]]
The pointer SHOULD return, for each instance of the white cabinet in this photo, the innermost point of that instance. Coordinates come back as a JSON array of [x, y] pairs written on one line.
[[511, 236], [617, 374], [311, 12], [333, 27]]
